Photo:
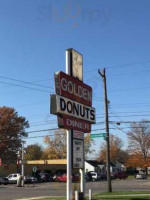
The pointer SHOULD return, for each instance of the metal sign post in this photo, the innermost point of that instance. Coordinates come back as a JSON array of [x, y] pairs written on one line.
[[22, 164], [69, 144]]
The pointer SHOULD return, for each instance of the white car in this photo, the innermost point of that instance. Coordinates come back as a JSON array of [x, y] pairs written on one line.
[[13, 178], [95, 176], [141, 176]]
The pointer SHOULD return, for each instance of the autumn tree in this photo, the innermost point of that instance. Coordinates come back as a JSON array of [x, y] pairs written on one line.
[[139, 144], [88, 145], [116, 151], [56, 145], [33, 152], [12, 129], [137, 160]]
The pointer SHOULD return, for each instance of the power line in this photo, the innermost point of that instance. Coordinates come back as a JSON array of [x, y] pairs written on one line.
[[12, 84], [129, 73], [148, 115], [120, 66], [130, 89], [120, 129], [26, 82]]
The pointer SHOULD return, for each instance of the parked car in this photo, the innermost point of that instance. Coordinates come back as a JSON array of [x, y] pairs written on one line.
[[12, 178], [121, 175], [45, 177], [30, 179], [55, 177], [87, 178], [95, 176], [4, 181], [141, 176], [63, 178], [113, 175], [103, 175]]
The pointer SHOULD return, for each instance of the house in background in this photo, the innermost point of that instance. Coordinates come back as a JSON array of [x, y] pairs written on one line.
[[120, 166], [100, 167], [93, 165]]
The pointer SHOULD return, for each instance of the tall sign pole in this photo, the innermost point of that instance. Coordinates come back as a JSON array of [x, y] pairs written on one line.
[[102, 73], [72, 104], [69, 141], [22, 164]]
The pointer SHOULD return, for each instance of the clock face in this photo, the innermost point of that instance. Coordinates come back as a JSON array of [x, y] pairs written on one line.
[[77, 65]]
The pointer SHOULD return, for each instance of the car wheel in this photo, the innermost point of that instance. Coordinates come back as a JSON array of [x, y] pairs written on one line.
[[94, 179]]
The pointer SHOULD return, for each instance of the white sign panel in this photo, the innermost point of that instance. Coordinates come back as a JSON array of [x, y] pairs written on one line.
[[78, 153], [77, 65], [74, 109]]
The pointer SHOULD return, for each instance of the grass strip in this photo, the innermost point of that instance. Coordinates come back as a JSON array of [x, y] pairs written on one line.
[[133, 195]]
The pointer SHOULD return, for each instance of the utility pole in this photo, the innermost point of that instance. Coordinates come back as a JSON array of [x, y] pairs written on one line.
[[22, 164], [103, 75]]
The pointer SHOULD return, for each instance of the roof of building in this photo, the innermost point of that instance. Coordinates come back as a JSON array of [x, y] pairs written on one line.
[[95, 163]]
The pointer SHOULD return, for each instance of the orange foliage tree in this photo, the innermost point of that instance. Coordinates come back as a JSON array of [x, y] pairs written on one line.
[[116, 151], [137, 160], [139, 145], [12, 129]]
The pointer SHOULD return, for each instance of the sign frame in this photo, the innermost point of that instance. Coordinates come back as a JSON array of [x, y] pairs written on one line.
[[78, 154]]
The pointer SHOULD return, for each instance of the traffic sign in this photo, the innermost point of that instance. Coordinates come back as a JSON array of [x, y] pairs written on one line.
[[34, 169], [98, 135]]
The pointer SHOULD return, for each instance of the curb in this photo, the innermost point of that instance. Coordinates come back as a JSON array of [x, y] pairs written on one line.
[[42, 197]]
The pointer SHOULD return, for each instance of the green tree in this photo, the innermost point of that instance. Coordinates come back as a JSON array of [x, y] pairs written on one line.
[[33, 152], [12, 130]]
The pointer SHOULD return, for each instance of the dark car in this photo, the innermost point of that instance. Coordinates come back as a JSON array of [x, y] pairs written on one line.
[[103, 176], [30, 179], [87, 177], [88, 174], [120, 175], [45, 177], [4, 180]]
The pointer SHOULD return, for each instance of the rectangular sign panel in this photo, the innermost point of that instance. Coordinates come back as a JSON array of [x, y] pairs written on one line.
[[68, 122], [78, 153], [78, 135], [74, 109], [77, 65], [98, 135], [72, 88]]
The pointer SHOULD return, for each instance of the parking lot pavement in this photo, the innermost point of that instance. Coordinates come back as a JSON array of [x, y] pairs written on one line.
[[12, 192]]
